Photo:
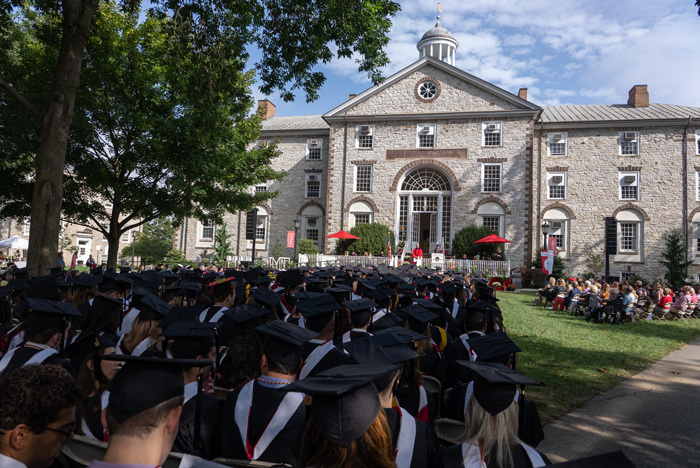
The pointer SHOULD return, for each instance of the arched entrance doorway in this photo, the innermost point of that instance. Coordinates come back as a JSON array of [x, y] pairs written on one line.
[[424, 209]]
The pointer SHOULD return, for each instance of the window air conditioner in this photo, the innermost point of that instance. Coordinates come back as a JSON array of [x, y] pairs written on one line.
[[365, 129], [630, 179], [492, 127], [261, 143], [557, 179], [313, 142], [630, 135], [556, 225], [426, 129], [313, 178], [557, 137]]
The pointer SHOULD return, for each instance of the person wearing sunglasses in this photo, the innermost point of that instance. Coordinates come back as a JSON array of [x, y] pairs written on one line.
[[37, 415]]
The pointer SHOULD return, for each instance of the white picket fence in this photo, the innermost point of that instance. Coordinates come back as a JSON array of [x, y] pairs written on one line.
[[488, 268]]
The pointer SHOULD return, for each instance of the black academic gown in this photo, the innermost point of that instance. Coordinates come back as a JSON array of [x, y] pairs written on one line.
[[25, 353], [410, 399], [458, 352], [387, 321], [425, 443], [529, 425], [333, 358], [284, 448], [210, 428], [451, 457], [92, 417]]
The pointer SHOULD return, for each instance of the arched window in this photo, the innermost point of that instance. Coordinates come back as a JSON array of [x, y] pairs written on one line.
[[312, 224], [559, 228], [261, 228], [426, 179], [494, 216], [361, 213], [630, 235]]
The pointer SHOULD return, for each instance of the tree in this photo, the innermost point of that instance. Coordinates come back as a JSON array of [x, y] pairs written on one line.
[[293, 38], [277, 250], [372, 238], [307, 246], [463, 242], [675, 259], [153, 243], [222, 246], [594, 266]]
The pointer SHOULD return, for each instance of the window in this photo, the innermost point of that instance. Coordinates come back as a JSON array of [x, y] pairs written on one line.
[[312, 229], [27, 227], [363, 178], [556, 185], [629, 143], [361, 213], [697, 185], [312, 225], [630, 234], [695, 242], [557, 233], [427, 90], [259, 188], [491, 133], [697, 141], [126, 237], [491, 178], [314, 149], [261, 228], [313, 185], [492, 215], [629, 186], [558, 220], [105, 226], [364, 136], [208, 230], [557, 143], [425, 137]]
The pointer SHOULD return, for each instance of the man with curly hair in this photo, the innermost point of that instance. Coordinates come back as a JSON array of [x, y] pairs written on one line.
[[37, 415]]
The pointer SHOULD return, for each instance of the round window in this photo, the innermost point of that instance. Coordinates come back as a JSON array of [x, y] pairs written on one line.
[[427, 90]]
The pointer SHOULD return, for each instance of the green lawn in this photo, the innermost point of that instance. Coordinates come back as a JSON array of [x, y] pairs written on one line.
[[576, 360]]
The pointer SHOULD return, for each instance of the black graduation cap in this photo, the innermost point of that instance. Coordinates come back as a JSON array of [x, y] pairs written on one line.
[[318, 311], [373, 351], [144, 383], [494, 347], [615, 459], [85, 281], [265, 296], [105, 304], [262, 282], [144, 288], [56, 270], [88, 344], [421, 282], [5, 292], [379, 295], [97, 271], [190, 286], [221, 287], [494, 385], [191, 339], [360, 309], [43, 287], [292, 278], [46, 314], [124, 270], [151, 307], [245, 317], [344, 401], [339, 292], [418, 316], [22, 273], [62, 284], [182, 314], [284, 342], [428, 304], [171, 293], [448, 288], [392, 279], [394, 335]]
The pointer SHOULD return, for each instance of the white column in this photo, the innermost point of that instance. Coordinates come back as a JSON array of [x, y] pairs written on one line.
[[397, 223], [409, 224], [453, 56], [431, 50], [439, 221], [440, 52]]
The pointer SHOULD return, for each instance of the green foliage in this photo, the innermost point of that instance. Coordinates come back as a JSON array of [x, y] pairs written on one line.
[[276, 251], [222, 246], [154, 243], [558, 271], [634, 278], [307, 246], [675, 258], [463, 242], [594, 266], [372, 239], [178, 256]]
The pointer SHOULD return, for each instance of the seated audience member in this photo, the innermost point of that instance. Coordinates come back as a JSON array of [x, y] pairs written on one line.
[[37, 415], [628, 302], [560, 295], [663, 307], [679, 307]]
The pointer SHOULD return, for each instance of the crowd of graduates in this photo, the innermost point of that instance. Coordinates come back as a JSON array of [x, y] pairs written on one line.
[[306, 367]]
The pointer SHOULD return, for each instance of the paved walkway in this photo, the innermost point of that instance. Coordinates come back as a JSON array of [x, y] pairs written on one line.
[[654, 417]]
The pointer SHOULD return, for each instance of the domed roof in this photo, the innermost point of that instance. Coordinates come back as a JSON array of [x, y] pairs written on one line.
[[437, 31]]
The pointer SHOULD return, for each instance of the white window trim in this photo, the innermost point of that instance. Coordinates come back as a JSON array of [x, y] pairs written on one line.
[[565, 181], [306, 186], [128, 237], [419, 129], [501, 222], [565, 233], [26, 226], [357, 137], [371, 178], [355, 213], [565, 137], [265, 221], [201, 227], [264, 184], [308, 147], [637, 247], [622, 174], [621, 138], [483, 169], [697, 185], [484, 131]]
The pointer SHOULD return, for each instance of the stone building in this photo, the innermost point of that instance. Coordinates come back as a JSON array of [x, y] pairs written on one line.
[[434, 148]]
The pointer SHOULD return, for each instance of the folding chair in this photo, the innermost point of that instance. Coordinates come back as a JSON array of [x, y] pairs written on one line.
[[449, 430]]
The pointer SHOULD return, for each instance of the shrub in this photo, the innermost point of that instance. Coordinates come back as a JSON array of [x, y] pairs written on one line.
[[372, 239], [307, 246], [675, 258], [463, 242]]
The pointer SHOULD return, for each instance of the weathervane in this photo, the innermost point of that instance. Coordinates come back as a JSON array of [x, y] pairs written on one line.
[[439, 9]]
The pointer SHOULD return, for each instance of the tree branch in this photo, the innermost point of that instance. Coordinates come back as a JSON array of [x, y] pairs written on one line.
[[21, 99]]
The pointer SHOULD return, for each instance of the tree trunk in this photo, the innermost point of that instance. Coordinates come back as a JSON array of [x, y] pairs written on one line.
[[78, 16], [113, 253]]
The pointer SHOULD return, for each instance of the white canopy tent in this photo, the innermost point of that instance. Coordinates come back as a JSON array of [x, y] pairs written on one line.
[[14, 242]]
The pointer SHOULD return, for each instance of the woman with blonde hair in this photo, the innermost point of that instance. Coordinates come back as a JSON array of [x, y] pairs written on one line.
[[491, 432], [145, 332]]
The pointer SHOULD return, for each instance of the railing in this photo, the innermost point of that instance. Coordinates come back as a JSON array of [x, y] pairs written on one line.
[[488, 268]]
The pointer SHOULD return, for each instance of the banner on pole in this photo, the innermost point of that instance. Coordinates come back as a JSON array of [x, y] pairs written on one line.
[[290, 239], [547, 261], [552, 244]]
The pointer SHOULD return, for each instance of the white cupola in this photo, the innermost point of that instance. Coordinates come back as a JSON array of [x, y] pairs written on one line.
[[439, 43]]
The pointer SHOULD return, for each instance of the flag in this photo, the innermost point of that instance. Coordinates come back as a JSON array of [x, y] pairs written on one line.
[[388, 244]]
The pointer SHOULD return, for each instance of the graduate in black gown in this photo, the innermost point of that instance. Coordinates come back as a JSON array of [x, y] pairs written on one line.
[[261, 422], [491, 439], [360, 317], [195, 340], [383, 317], [320, 353]]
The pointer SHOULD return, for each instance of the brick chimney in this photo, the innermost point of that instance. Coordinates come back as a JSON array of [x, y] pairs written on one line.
[[352, 96], [522, 93], [268, 109], [639, 96]]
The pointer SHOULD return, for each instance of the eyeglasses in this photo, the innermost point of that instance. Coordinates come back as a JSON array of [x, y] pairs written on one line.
[[67, 433]]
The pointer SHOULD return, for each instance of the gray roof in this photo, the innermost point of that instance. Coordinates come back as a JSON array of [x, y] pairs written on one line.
[[304, 122], [437, 31], [616, 112]]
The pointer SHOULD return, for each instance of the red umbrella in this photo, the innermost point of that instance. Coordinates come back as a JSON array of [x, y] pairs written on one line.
[[343, 235], [492, 239]]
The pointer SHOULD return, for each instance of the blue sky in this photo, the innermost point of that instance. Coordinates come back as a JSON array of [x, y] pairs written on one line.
[[563, 51]]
